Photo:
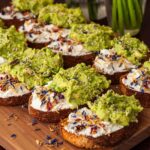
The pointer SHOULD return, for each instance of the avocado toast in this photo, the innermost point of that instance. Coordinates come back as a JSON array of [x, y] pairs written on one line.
[[10, 16], [137, 82], [12, 92], [107, 121], [126, 53], [39, 35], [22, 10], [68, 90]]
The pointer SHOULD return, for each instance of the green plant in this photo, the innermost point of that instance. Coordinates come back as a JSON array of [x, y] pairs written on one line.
[[126, 14]]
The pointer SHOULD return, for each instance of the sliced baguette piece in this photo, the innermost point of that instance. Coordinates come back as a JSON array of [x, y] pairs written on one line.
[[144, 98], [102, 141], [70, 61], [51, 117], [15, 100]]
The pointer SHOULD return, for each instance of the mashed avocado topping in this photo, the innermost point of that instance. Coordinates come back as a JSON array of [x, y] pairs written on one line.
[[1, 23], [32, 5], [93, 36], [34, 67], [115, 108], [79, 84], [147, 66], [131, 48], [11, 42], [61, 16]]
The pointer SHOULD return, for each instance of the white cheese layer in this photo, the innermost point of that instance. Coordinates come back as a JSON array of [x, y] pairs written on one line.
[[138, 80], [8, 13], [40, 33], [9, 88], [2, 60], [68, 47], [46, 101], [108, 62], [85, 122]]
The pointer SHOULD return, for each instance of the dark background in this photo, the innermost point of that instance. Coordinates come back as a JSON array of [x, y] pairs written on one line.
[[144, 35]]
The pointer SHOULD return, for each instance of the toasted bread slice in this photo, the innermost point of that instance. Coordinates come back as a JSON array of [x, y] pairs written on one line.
[[144, 98], [15, 100], [114, 77], [70, 61], [51, 117], [90, 142], [17, 23], [37, 45]]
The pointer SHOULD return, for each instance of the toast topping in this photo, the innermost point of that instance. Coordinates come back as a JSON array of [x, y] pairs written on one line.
[[138, 80], [85, 122], [68, 47], [79, 84], [46, 100], [11, 87], [108, 62], [115, 108], [9, 13], [131, 48], [41, 33]]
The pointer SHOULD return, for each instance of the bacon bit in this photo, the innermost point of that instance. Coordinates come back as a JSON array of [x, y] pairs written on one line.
[[55, 29], [61, 39], [69, 42], [49, 105]]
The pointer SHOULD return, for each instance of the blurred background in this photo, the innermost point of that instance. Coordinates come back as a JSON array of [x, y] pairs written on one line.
[[123, 15]]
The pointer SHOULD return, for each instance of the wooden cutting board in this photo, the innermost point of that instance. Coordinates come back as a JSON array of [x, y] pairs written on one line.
[[15, 120]]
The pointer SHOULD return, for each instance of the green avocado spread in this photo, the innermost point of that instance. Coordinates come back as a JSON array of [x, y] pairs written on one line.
[[32, 5], [34, 67], [60, 15], [115, 108], [93, 36], [131, 48], [11, 42], [1, 24], [79, 84], [147, 66]]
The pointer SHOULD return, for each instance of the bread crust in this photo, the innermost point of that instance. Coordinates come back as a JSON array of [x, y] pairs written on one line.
[[144, 98], [70, 61], [114, 77], [102, 141], [37, 45], [15, 100], [51, 117], [16, 22]]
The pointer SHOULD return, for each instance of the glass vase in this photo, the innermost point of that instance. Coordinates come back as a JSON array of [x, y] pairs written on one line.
[[125, 15]]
